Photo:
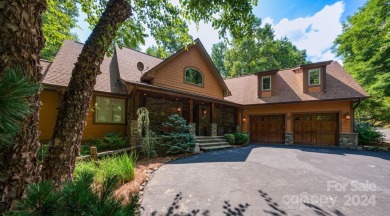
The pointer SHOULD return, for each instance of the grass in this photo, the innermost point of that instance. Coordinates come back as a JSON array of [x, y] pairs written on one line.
[[122, 166]]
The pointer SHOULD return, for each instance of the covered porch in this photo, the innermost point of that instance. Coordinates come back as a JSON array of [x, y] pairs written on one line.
[[207, 116]]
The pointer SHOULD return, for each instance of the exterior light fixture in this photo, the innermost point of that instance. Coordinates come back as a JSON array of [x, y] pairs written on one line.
[[347, 116], [204, 111], [178, 108], [244, 119]]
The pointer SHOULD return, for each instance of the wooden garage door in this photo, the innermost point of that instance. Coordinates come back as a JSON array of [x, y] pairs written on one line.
[[267, 129], [316, 129]]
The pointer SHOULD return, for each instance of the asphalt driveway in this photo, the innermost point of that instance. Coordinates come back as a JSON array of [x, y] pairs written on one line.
[[272, 180]]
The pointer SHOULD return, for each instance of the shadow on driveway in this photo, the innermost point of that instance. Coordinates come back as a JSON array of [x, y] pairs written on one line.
[[240, 154]]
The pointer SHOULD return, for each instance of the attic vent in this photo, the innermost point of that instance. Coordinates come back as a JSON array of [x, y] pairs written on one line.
[[140, 66]]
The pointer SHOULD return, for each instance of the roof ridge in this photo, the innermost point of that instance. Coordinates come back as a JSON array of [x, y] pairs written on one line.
[[245, 75], [140, 52]]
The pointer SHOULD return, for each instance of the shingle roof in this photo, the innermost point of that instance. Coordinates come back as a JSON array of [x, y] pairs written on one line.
[[60, 70], [339, 85], [127, 61]]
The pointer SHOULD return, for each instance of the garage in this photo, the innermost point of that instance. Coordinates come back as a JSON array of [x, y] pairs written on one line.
[[267, 128], [316, 129]]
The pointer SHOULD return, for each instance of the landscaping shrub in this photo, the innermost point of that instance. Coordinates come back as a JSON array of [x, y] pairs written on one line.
[[230, 138], [78, 197], [111, 141], [367, 134], [122, 166], [177, 141], [241, 138]]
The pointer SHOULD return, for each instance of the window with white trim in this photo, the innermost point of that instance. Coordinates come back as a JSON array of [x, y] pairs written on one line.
[[266, 83], [109, 110], [314, 77]]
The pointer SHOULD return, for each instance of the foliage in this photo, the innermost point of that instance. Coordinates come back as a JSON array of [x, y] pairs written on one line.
[[14, 89], [58, 20], [364, 47], [162, 17], [75, 198], [241, 138], [111, 141], [231, 138], [170, 45], [374, 111], [148, 137], [367, 134], [177, 141], [218, 55], [121, 166], [257, 52]]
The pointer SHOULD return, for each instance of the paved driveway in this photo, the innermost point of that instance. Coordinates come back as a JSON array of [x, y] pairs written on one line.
[[272, 180]]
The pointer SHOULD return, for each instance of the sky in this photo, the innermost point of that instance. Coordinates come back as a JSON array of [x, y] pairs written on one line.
[[308, 24]]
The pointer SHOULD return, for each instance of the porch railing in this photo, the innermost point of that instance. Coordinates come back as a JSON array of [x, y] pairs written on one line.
[[225, 129]]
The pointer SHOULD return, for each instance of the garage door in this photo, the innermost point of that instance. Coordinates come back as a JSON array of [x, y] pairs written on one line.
[[267, 129], [316, 129]]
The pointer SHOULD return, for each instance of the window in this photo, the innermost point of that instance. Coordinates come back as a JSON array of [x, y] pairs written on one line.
[[266, 83], [193, 76], [314, 77], [109, 110]]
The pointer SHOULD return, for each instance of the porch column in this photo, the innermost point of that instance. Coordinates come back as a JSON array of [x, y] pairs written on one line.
[[191, 111], [212, 112]]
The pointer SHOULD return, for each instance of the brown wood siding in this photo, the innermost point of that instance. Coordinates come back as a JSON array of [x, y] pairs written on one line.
[[314, 89], [289, 109], [266, 94], [172, 75], [48, 115]]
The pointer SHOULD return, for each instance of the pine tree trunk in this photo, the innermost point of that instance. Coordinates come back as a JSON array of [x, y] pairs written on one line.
[[63, 148], [20, 44]]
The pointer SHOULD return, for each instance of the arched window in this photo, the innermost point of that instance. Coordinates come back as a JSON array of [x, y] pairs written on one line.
[[193, 76]]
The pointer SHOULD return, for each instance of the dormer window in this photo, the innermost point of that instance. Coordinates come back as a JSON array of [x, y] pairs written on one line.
[[314, 77], [266, 83], [193, 76]]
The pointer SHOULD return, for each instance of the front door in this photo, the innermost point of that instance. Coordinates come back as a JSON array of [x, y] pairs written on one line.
[[202, 117]]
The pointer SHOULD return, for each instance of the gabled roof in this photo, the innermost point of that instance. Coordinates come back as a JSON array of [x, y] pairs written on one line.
[[339, 85], [150, 73], [127, 63], [60, 70]]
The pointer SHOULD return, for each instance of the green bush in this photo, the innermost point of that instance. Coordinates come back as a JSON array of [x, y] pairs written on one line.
[[177, 141], [111, 141], [122, 166], [230, 138], [77, 197], [241, 138], [367, 134]]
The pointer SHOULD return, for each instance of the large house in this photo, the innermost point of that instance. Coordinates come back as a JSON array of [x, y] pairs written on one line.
[[311, 104]]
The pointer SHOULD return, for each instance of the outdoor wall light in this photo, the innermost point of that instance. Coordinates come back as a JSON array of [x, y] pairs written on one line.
[[204, 111], [178, 109], [347, 116], [244, 119]]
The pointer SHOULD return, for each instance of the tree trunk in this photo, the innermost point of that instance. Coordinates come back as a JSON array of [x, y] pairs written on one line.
[[64, 145], [20, 45]]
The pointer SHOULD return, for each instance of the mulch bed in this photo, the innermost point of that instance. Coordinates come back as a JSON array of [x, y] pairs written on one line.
[[143, 172]]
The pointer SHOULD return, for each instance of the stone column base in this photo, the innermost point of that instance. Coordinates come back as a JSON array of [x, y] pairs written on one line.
[[348, 140], [192, 128], [289, 138], [213, 129], [238, 128]]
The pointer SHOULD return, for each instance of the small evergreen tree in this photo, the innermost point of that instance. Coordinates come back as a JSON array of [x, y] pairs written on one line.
[[179, 140]]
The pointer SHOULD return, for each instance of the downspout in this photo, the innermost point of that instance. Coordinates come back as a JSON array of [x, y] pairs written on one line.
[[353, 110]]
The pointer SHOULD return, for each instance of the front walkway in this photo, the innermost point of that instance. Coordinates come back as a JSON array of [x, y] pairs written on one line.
[[272, 180]]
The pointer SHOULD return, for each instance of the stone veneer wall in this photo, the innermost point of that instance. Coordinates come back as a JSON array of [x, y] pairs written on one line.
[[289, 138], [135, 137], [160, 110], [213, 129], [192, 129], [348, 140]]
